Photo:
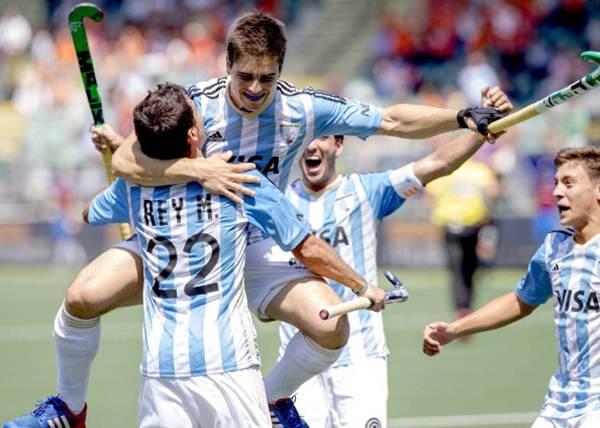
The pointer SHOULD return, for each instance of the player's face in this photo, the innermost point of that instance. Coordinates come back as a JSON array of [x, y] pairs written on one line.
[[318, 162], [253, 79], [577, 195]]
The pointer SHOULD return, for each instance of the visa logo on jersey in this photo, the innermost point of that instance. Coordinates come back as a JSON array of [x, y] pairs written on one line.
[[577, 301], [333, 236], [264, 164]]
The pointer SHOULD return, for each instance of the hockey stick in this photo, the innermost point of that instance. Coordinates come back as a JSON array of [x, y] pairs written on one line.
[[86, 67], [575, 89], [397, 294]]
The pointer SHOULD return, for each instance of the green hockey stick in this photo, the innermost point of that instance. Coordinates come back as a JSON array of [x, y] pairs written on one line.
[[86, 67], [575, 89]]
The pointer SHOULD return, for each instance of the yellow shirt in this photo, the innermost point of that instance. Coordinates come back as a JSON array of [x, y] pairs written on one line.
[[460, 198]]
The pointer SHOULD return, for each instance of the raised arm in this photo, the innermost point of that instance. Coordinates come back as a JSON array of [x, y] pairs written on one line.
[[450, 156], [321, 259], [499, 312]]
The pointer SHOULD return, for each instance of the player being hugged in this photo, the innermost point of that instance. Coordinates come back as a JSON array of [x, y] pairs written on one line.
[[566, 269]]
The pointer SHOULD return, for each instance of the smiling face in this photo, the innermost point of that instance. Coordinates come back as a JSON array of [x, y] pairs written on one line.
[[253, 79], [318, 162], [577, 195]]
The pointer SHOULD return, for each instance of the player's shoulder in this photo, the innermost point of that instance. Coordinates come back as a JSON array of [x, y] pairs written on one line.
[[212, 88], [560, 239], [288, 89], [562, 232], [295, 187]]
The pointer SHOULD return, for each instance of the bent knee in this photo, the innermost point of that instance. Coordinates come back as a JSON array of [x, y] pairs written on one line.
[[334, 333], [80, 301]]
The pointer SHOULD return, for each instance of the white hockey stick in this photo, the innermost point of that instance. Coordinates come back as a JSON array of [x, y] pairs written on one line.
[[394, 295], [575, 89]]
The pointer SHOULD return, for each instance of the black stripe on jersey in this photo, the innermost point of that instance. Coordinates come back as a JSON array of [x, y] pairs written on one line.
[[311, 91], [210, 91]]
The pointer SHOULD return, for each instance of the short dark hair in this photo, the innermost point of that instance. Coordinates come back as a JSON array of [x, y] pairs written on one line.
[[339, 139], [162, 120], [257, 34], [588, 157]]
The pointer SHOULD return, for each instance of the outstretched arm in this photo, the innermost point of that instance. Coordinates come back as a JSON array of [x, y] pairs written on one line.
[[321, 259], [418, 121], [450, 156], [499, 312]]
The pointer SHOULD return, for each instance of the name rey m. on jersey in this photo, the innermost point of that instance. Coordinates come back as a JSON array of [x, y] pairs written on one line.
[[196, 319]]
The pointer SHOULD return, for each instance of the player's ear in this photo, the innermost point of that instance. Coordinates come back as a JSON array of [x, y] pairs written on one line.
[[339, 145]]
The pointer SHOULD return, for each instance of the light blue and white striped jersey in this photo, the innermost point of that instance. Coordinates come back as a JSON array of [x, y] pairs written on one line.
[[275, 136], [347, 215], [570, 274], [196, 320]]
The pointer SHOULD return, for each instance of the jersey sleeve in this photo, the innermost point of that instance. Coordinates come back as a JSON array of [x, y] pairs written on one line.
[[340, 116], [536, 286], [110, 206], [274, 215], [388, 190]]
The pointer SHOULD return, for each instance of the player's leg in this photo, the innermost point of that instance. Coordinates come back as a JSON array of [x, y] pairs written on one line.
[[359, 393], [111, 280], [469, 263], [316, 346], [314, 402]]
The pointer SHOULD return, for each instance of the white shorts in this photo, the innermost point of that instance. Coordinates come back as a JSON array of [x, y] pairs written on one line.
[[232, 399], [348, 396], [268, 270], [587, 420]]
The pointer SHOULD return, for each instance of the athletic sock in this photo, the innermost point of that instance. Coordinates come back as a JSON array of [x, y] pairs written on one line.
[[77, 342], [303, 359]]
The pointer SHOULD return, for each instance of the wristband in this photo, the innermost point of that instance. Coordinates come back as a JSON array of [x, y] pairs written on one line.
[[362, 290]]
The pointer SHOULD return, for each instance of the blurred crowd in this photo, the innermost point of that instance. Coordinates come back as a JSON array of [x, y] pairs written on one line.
[[439, 54]]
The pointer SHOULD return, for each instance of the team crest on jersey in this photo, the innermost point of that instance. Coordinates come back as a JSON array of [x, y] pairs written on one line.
[[289, 132]]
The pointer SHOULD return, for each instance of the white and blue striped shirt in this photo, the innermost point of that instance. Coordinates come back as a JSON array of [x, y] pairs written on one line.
[[275, 136], [196, 320], [570, 274], [347, 215]]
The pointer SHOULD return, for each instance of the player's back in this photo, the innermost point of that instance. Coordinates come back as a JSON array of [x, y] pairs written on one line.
[[193, 248]]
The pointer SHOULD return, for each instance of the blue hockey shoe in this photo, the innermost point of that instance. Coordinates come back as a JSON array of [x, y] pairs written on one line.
[[52, 412], [285, 415]]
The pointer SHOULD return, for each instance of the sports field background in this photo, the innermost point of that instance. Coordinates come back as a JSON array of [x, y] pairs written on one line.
[[498, 376]]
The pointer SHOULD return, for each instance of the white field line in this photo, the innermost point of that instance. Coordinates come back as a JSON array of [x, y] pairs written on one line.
[[490, 419]]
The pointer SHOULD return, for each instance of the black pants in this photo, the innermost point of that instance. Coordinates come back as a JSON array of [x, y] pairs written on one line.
[[462, 263]]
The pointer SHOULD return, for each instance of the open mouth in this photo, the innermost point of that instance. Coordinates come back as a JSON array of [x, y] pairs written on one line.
[[253, 98], [562, 209], [312, 162]]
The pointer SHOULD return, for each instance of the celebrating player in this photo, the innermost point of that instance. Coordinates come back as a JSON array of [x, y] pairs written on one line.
[[261, 119], [565, 267], [193, 257], [346, 211]]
